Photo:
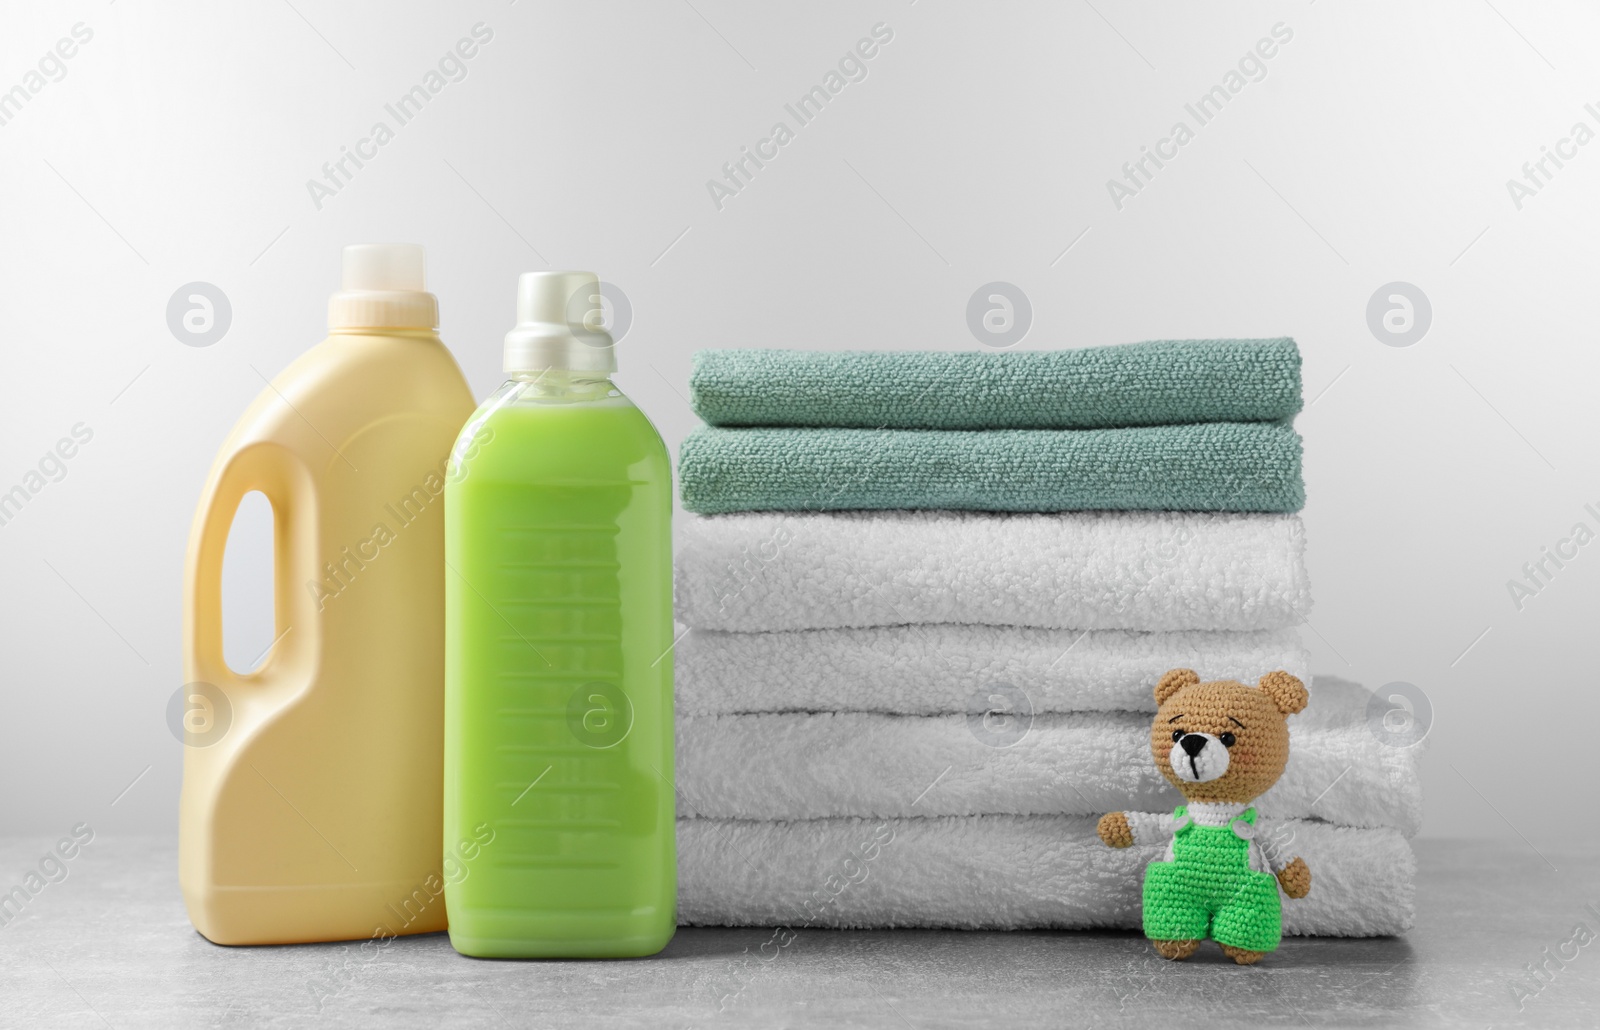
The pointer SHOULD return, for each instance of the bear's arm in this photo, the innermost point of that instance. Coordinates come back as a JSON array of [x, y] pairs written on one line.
[[1295, 878], [1150, 828], [1276, 840]]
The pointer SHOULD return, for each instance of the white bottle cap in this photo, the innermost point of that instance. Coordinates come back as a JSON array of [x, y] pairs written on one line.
[[559, 325], [383, 289]]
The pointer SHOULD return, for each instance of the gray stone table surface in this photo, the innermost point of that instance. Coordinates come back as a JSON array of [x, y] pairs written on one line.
[[110, 945]]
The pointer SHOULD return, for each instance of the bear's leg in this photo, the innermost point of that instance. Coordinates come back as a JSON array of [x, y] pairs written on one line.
[[1175, 918], [1176, 950], [1243, 956], [1251, 923]]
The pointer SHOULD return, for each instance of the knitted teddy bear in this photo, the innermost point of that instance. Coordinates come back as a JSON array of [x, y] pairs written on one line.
[[1222, 744]]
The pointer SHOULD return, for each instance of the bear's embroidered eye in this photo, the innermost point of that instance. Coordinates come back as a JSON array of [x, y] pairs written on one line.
[[1177, 735], [1228, 739]]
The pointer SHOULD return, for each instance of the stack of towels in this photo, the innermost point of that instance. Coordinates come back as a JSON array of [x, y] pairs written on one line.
[[929, 596]]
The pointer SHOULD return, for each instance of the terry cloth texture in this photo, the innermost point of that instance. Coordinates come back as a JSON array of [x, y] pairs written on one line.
[[807, 766], [998, 872], [1166, 382], [1218, 466], [939, 668], [1152, 571]]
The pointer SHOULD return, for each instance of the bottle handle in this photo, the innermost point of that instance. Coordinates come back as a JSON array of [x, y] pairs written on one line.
[[274, 472]]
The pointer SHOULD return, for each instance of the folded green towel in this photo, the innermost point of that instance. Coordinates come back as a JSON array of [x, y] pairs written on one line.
[[1216, 466], [1166, 382]]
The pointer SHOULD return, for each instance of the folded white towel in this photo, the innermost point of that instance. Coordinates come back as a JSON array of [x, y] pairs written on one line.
[[818, 765], [1079, 570], [998, 872], [926, 670]]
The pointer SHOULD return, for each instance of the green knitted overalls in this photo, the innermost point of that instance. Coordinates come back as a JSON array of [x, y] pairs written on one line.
[[1209, 889]]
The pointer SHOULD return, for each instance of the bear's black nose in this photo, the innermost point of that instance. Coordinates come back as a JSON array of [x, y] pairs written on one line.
[[1192, 743]]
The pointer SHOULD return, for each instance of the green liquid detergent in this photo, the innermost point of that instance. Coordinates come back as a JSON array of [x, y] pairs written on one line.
[[559, 801]]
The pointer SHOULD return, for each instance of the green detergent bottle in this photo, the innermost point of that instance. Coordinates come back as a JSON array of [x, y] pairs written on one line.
[[559, 800]]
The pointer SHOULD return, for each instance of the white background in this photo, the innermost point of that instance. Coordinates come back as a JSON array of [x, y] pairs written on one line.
[[178, 145]]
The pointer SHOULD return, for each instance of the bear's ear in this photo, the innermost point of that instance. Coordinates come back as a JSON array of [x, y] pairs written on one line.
[[1286, 691], [1174, 681]]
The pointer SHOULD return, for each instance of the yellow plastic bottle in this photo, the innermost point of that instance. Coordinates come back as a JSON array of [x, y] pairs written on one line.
[[312, 786]]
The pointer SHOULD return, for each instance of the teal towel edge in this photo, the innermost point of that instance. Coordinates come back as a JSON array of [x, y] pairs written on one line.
[[717, 380], [1160, 468]]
